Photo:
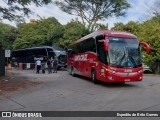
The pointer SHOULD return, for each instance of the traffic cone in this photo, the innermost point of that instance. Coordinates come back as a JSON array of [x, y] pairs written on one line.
[[20, 66], [9, 67]]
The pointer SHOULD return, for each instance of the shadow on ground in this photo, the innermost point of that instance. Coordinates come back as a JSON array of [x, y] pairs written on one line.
[[105, 84]]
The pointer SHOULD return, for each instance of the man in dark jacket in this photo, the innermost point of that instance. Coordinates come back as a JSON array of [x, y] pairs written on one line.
[[55, 65], [49, 66]]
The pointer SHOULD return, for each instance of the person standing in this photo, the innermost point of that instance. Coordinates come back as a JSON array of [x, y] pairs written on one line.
[[43, 67], [55, 65], [49, 66], [38, 66]]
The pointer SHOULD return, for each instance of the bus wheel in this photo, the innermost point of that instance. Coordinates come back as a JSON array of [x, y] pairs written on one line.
[[58, 68], [121, 83], [93, 77], [72, 71]]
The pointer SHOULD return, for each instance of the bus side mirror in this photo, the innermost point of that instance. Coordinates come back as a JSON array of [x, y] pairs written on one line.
[[69, 51], [100, 37], [146, 46], [105, 44]]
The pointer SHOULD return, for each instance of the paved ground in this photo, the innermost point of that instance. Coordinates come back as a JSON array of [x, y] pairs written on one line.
[[62, 92]]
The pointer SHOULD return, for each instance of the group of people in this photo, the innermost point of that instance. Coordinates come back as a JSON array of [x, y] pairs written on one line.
[[51, 64]]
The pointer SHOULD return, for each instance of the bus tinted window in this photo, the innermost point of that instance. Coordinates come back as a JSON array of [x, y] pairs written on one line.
[[85, 46]]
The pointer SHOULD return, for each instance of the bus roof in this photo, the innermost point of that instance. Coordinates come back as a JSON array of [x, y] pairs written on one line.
[[107, 33], [41, 47]]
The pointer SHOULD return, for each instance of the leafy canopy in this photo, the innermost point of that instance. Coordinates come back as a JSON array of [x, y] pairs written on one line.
[[42, 32], [11, 7], [74, 30], [8, 35], [91, 11]]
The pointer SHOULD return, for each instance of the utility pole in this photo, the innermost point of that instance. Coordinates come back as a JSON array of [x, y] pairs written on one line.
[[2, 62]]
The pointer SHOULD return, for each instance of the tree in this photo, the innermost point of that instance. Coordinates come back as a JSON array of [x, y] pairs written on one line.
[[8, 35], [13, 6], [155, 9], [42, 32], [118, 26], [131, 27], [91, 11], [55, 33], [99, 26], [74, 30], [150, 33]]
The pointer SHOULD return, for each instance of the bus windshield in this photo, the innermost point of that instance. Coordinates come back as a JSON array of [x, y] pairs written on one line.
[[57, 52], [124, 52]]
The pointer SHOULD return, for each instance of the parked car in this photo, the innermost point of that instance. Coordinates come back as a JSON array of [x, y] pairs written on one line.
[[147, 69]]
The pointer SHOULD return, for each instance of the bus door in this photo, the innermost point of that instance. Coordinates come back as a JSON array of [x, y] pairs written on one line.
[[102, 57]]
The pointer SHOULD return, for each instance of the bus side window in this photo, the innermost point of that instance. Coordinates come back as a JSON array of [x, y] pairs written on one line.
[[84, 46], [87, 46]]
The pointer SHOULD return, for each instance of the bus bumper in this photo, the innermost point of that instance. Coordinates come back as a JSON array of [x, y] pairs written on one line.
[[120, 78]]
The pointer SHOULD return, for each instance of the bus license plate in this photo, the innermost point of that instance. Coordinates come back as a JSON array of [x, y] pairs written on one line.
[[126, 80]]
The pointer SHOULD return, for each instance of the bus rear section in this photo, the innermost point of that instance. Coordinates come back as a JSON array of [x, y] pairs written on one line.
[[107, 56]]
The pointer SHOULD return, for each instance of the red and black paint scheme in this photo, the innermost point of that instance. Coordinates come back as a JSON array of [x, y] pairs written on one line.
[[107, 56]]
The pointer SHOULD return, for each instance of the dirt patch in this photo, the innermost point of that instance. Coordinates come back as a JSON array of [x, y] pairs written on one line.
[[13, 83]]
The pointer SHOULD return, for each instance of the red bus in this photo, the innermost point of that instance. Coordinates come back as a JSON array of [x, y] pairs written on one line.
[[107, 56]]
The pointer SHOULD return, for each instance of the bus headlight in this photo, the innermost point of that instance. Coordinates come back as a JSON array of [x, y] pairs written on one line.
[[110, 78], [112, 71], [140, 71]]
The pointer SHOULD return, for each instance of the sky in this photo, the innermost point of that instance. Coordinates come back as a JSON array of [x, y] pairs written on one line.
[[138, 12]]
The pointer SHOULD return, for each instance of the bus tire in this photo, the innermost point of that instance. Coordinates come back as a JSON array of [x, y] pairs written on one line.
[[93, 77], [121, 83], [58, 68], [72, 72]]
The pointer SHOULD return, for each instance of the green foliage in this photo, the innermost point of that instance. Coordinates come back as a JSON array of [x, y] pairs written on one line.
[[150, 33], [99, 26], [118, 26], [74, 30], [132, 27], [14, 6], [8, 35], [55, 33], [42, 32], [49, 32], [91, 11]]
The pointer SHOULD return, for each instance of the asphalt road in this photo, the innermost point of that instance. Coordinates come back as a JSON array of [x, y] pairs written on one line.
[[62, 92]]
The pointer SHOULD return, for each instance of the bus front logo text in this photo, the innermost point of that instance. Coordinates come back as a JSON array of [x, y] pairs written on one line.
[[81, 57]]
